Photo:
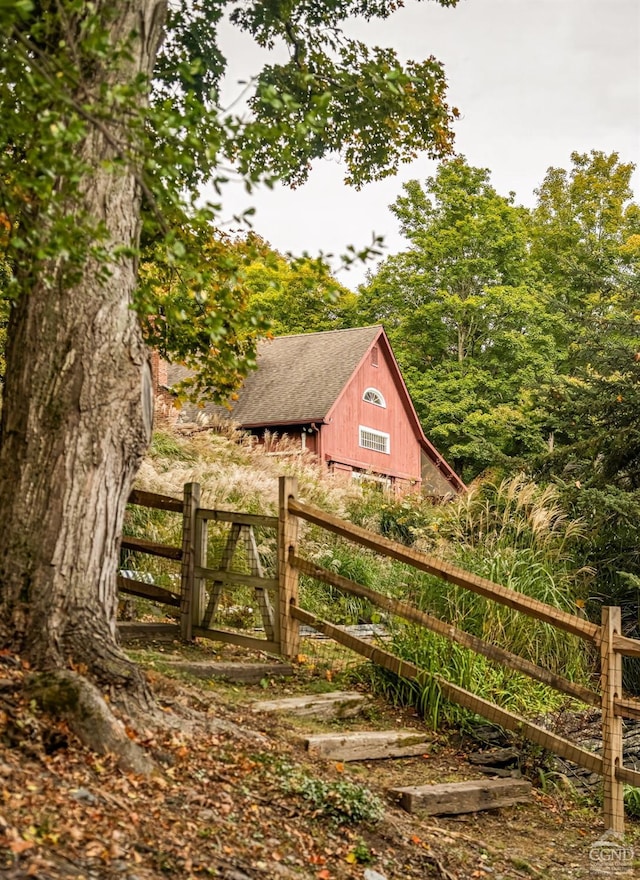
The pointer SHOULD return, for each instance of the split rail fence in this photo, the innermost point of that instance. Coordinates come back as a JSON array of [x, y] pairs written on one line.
[[282, 618]]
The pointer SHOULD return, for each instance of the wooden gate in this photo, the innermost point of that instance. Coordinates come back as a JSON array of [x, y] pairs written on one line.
[[202, 585]]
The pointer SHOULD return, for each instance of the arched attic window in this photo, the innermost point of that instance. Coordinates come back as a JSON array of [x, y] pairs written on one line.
[[372, 395]]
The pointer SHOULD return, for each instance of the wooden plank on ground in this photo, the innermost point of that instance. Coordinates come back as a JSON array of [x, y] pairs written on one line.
[[141, 545], [147, 591], [452, 798], [450, 573], [368, 745], [242, 673], [136, 630], [153, 499], [339, 704], [556, 744]]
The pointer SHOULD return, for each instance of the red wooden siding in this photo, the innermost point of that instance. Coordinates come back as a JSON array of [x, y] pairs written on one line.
[[341, 438]]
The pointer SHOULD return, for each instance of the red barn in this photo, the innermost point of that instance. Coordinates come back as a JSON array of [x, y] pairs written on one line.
[[340, 395]]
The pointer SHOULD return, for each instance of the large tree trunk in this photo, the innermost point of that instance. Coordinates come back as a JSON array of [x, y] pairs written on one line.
[[77, 412]]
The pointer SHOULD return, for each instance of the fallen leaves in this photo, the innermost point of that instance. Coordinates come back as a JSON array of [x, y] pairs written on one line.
[[19, 845], [218, 807]]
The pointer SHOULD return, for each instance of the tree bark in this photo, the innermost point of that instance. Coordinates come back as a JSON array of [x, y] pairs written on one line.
[[77, 409]]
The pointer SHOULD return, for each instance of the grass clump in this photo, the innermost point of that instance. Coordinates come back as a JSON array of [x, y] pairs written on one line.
[[632, 801]]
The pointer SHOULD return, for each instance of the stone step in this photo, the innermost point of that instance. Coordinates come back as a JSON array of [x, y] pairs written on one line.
[[338, 704], [242, 673], [451, 798], [367, 745]]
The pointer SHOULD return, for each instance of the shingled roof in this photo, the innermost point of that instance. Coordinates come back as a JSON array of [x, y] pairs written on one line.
[[299, 377]]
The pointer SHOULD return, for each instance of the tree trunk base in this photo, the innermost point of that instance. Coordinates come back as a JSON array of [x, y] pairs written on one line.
[[71, 697]]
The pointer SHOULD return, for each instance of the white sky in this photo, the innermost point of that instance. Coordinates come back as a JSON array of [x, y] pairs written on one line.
[[534, 80]]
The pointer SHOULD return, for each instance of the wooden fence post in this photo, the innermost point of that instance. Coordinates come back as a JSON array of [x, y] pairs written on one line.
[[289, 628], [612, 751], [200, 552], [190, 504]]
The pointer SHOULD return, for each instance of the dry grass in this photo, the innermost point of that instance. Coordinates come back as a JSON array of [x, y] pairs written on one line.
[[235, 472]]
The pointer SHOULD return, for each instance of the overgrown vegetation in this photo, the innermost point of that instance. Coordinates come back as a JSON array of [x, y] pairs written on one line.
[[514, 533]]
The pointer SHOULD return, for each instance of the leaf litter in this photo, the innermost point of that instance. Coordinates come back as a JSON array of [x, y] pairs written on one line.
[[231, 800]]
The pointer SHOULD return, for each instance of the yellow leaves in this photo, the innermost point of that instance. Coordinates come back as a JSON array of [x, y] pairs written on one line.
[[631, 246]]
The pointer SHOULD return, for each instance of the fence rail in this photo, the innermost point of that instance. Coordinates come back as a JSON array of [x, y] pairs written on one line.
[[450, 573], [415, 615], [202, 587], [464, 698]]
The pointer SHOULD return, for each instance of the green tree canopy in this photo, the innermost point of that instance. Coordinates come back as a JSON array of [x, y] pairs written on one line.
[[586, 243], [467, 321], [582, 231], [585, 234], [298, 295]]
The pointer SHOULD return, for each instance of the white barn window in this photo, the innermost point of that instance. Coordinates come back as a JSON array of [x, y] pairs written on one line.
[[372, 395], [372, 439]]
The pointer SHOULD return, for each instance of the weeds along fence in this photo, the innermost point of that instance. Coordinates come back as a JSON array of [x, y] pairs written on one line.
[[279, 601], [606, 637]]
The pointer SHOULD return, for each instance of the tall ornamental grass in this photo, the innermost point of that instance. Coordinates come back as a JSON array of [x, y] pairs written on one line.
[[516, 535]]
